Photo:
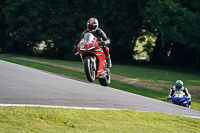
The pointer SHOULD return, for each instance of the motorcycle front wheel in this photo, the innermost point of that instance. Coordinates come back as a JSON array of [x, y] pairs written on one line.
[[90, 73]]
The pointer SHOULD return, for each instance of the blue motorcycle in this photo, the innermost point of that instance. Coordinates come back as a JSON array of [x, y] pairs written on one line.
[[179, 98]]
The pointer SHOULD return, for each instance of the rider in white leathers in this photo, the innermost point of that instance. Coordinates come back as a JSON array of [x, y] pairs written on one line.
[[179, 87]]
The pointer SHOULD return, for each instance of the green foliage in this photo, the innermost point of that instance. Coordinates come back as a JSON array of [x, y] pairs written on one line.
[[173, 22], [124, 23], [31, 22], [4, 38]]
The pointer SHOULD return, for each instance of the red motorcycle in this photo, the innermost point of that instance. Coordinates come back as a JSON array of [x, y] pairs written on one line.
[[94, 61]]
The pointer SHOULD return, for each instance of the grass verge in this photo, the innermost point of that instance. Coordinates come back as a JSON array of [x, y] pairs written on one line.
[[38, 119]]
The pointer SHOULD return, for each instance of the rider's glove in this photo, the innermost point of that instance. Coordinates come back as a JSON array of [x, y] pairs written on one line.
[[168, 99], [75, 48]]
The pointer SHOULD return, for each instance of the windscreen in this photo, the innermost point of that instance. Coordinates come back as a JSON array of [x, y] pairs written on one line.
[[88, 38], [179, 94]]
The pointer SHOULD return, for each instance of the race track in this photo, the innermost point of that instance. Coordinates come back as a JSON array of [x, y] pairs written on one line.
[[24, 85]]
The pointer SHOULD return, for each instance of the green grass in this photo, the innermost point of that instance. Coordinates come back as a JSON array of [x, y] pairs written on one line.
[[62, 62], [157, 74], [156, 94], [56, 120]]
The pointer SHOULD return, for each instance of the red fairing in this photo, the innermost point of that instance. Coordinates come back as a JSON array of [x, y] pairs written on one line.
[[87, 47], [102, 62], [93, 48]]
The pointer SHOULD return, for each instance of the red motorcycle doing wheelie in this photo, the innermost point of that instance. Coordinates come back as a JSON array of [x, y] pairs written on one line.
[[94, 61]]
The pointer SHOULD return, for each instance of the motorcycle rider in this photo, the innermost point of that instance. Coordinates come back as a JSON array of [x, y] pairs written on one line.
[[103, 40], [179, 87]]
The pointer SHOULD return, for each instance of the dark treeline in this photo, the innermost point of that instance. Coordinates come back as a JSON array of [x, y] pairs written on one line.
[[174, 23]]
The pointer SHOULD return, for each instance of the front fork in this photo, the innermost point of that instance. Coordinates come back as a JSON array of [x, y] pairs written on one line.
[[93, 61]]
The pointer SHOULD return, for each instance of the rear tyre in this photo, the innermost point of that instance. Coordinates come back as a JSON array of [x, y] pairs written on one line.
[[90, 73], [106, 80]]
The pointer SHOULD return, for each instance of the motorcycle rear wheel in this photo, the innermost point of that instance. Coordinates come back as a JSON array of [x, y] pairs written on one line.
[[90, 73], [106, 80]]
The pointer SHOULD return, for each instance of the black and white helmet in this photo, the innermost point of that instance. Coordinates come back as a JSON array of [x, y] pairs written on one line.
[[92, 24]]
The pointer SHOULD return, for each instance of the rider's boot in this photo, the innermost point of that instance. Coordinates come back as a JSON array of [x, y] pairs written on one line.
[[108, 60], [109, 63], [190, 102]]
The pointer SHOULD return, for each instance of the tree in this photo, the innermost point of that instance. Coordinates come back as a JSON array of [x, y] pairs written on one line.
[[31, 22], [5, 39], [173, 24], [123, 22]]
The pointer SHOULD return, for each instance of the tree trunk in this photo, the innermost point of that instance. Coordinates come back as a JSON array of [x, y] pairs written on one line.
[[156, 51], [197, 60]]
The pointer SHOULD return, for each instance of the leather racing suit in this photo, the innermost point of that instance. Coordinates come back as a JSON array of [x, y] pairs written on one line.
[[183, 89]]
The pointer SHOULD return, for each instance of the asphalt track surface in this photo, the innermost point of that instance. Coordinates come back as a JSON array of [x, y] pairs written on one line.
[[25, 85]]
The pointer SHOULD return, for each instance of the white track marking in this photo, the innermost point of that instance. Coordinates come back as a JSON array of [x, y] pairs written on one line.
[[52, 106]]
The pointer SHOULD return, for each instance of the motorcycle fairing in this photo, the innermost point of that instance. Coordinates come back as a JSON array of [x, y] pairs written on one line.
[[91, 48], [180, 100]]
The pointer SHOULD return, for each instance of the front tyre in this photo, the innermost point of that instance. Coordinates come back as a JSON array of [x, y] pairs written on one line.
[[90, 73], [106, 80]]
